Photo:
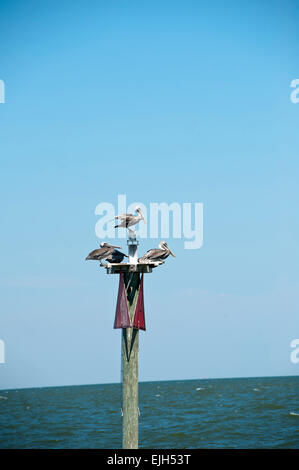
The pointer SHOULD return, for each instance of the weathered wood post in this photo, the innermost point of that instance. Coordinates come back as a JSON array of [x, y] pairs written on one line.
[[129, 358]]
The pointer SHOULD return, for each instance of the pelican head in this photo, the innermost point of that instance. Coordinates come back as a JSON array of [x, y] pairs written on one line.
[[138, 210], [163, 246], [102, 244]]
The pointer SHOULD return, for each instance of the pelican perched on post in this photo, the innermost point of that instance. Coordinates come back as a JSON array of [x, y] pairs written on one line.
[[157, 254], [105, 251], [128, 220]]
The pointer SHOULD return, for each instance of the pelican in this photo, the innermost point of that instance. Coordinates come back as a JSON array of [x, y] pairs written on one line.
[[103, 252], [128, 220], [157, 254], [116, 257]]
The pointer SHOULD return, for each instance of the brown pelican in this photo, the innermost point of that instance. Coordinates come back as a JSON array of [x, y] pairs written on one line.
[[157, 254], [128, 220], [103, 252], [116, 257]]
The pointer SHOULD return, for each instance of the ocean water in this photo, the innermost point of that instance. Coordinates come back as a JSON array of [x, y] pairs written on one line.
[[215, 413]]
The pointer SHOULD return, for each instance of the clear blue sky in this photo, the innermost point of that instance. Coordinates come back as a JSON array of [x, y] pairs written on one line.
[[100, 94]]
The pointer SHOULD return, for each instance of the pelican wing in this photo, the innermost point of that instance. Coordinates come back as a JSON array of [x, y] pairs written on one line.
[[123, 216], [99, 253], [119, 253], [94, 254], [116, 257], [153, 254]]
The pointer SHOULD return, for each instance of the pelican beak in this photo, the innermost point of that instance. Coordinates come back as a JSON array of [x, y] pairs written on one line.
[[143, 219], [114, 246], [172, 253]]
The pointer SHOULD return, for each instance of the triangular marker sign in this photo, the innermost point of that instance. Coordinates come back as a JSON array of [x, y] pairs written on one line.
[[139, 320], [122, 319]]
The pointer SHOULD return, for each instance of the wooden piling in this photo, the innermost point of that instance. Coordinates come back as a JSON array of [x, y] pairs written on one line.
[[129, 368]]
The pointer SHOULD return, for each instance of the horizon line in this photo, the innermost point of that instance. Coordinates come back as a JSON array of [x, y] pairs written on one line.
[[150, 381]]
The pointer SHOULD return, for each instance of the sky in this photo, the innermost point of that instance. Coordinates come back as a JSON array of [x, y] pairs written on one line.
[[164, 102]]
